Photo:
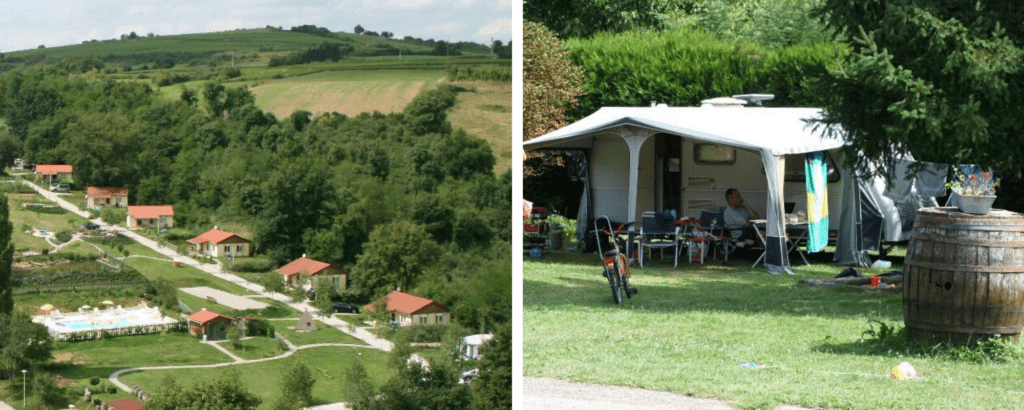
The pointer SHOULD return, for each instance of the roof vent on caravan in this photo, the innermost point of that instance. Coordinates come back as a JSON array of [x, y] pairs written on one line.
[[723, 102], [754, 98]]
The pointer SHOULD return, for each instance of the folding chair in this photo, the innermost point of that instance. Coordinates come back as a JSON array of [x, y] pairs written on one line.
[[658, 231], [712, 231]]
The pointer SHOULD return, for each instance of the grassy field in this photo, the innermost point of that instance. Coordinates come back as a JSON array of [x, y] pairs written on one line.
[[255, 348], [78, 362], [486, 112], [328, 364], [689, 330], [69, 301], [322, 334], [25, 220], [183, 276]]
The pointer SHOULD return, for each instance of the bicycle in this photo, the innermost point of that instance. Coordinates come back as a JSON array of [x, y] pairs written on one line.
[[615, 263]]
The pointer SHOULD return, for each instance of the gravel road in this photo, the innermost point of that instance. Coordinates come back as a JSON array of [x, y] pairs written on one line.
[[540, 393]]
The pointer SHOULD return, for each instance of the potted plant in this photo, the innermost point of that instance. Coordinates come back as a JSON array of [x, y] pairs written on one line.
[[975, 192]]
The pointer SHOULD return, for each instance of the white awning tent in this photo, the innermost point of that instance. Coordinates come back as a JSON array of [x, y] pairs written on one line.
[[772, 133]]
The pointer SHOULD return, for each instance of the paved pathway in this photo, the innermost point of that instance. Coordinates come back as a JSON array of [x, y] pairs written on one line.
[[215, 269], [5, 406], [544, 393]]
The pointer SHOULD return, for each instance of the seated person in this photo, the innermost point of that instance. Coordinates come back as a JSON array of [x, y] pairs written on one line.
[[737, 217]]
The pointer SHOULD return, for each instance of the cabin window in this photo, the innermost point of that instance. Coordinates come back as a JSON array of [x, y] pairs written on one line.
[[714, 154]]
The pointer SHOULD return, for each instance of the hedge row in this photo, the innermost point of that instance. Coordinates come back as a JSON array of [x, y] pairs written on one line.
[[681, 68], [483, 73]]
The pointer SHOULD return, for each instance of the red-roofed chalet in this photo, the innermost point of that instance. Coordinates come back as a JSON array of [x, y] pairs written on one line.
[[53, 173], [151, 216], [406, 309], [106, 197], [209, 325], [124, 404], [321, 273], [216, 243]]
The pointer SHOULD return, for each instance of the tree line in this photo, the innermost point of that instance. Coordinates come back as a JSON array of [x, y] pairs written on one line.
[[327, 185]]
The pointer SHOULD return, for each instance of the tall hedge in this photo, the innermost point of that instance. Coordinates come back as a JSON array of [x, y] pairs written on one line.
[[681, 68]]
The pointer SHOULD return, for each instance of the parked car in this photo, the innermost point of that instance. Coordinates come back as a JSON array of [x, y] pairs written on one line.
[[90, 226], [342, 307], [60, 188], [311, 294]]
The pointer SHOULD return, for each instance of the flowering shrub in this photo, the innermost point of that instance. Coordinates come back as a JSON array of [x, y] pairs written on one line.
[[974, 184]]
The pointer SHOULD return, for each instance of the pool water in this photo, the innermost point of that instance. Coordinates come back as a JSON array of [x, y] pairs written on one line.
[[85, 325]]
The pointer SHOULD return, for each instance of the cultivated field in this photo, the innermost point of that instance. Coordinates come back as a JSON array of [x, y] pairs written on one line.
[[347, 92], [486, 112]]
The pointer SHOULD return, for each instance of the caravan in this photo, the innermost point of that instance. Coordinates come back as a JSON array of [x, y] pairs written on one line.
[[685, 158]]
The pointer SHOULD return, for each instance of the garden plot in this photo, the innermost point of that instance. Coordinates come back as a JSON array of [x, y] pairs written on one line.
[[224, 298]]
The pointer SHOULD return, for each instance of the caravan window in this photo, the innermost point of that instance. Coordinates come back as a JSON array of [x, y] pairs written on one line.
[[795, 168], [714, 154]]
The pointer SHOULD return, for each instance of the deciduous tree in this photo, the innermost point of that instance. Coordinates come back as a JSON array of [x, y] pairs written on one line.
[[551, 83], [939, 79], [296, 388], [6, 257], [395, 255]]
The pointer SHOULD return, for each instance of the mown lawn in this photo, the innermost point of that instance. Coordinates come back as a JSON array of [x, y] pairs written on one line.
[[322, 334], [689, 330], [182, 276], [328, 365]]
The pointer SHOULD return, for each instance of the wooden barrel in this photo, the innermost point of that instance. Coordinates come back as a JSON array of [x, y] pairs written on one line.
[[963, 276]]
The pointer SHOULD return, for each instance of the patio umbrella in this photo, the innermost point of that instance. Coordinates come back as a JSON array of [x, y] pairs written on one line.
[[86, 306], [46, 307], [527, 209]]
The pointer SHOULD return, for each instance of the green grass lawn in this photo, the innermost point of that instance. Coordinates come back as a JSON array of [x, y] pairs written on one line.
[[24, 219], [69, 301], [689, 330], [183, 276], [322, 334], [254, 348], [133, 248], [328, 365], [353, 319]]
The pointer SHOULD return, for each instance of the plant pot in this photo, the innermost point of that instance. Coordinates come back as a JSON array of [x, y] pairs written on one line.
[[975, 204]]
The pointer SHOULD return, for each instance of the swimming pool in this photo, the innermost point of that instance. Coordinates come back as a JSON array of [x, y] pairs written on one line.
[[86, 325]]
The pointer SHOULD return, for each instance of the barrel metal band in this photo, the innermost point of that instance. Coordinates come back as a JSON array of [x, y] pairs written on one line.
[[966, 241], [962, 268], [945, 327], [974, 227]]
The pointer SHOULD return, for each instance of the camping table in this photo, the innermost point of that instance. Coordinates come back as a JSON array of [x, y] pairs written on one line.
[[797, 227]]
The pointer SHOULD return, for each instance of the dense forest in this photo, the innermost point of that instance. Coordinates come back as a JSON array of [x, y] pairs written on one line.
[[323, 185]]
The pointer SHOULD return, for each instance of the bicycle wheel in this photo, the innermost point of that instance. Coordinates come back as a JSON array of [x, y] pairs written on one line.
[[613, 281], [623, 271]]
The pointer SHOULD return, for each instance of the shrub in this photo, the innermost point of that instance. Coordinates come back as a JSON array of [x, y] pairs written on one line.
[[94, 381], [63, 236], [253, 265], [683, 67]]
